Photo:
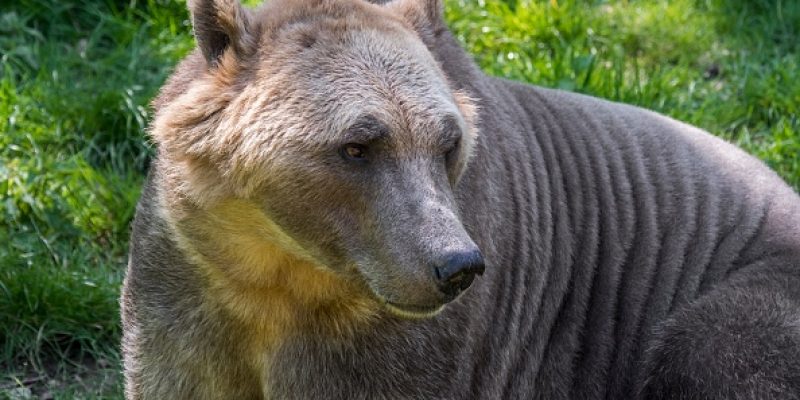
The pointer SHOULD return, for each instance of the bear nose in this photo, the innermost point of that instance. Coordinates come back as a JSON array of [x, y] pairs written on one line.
[[458, 271]]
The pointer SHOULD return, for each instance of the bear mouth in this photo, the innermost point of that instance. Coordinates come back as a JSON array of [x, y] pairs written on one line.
[[413, 311]]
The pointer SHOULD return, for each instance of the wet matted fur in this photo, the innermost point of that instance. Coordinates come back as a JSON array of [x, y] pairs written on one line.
[[316, 159]]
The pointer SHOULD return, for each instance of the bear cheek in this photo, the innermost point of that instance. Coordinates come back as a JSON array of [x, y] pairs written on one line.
[[321, 218]]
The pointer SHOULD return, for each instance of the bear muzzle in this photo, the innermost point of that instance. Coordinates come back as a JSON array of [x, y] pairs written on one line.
[[457, 272]]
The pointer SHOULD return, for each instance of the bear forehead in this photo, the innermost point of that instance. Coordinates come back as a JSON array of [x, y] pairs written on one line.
[[350, 69], [333, 16], [366, 68]]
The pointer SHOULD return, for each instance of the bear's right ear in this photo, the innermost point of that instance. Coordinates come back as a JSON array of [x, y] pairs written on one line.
[[426, 16], [220, 25]]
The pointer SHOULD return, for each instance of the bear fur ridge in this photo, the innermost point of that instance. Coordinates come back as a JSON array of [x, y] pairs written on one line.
[[626, 252]]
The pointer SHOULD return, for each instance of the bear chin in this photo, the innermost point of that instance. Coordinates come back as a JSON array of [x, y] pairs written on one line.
[[413, 312]]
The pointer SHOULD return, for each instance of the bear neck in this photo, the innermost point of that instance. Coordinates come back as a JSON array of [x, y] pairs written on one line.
[[256, 275]]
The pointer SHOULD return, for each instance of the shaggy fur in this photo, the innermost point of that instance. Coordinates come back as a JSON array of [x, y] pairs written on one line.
[[628, 255]]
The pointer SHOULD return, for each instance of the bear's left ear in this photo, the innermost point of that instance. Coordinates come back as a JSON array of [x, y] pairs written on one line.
[[220, 25], [426, 16]]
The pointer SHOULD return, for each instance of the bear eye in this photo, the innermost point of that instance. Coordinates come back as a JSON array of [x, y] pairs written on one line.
[[354, 152], [452, 149]]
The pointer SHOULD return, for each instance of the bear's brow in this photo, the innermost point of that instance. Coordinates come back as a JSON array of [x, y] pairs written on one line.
[[367, 128]]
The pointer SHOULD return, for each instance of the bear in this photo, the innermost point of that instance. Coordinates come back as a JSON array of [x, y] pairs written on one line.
[[343, 206]]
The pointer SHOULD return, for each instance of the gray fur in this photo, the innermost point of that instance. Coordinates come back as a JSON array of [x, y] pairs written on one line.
[[628, 256]]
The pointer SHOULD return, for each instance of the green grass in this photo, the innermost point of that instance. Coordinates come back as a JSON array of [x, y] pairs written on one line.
[[75, 81], [76, 78], [729, 66]]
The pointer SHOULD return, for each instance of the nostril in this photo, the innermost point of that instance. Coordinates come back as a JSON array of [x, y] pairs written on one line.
[[458, 271]]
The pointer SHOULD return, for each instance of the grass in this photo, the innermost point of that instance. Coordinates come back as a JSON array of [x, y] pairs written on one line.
[[729, 66], [75, 81], [76, 78]]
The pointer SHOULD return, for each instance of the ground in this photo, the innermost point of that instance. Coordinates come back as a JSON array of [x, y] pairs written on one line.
[[77, 77]]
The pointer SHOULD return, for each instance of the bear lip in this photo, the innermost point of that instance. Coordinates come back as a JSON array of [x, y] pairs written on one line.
[[413, 311]]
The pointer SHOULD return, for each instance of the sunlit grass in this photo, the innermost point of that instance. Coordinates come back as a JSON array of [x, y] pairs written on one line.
[[729, 66]]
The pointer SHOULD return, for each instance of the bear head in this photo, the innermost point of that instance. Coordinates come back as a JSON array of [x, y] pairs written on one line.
[[322, 136]]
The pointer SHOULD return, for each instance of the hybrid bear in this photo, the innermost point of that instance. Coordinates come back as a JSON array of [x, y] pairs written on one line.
[[344, 206]]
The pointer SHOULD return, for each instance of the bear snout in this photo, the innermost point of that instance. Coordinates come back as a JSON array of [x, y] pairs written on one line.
[[457, 272]]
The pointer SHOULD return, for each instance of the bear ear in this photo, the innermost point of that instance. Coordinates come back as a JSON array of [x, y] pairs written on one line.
[[426, 16], [220, 25]]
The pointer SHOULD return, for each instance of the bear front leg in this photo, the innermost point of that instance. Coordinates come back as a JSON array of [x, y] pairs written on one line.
[[739, 341]]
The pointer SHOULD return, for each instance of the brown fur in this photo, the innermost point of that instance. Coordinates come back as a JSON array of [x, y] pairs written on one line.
[[267, 263], [207, 130], [216, 161]]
